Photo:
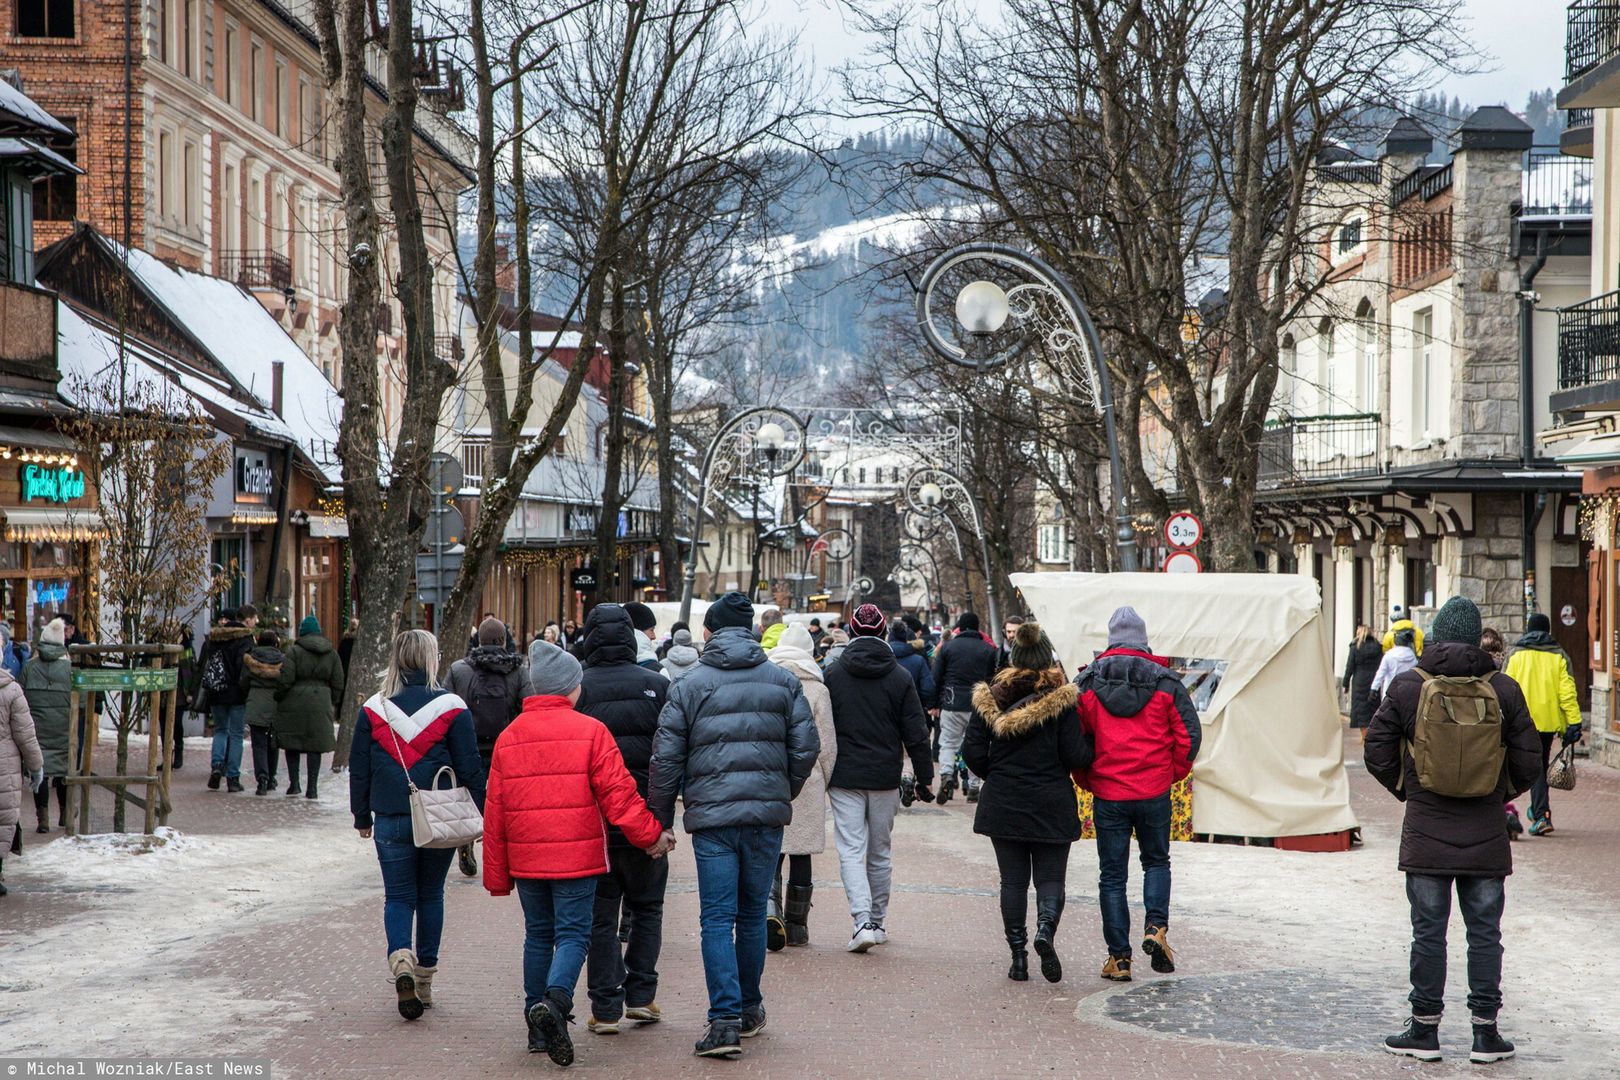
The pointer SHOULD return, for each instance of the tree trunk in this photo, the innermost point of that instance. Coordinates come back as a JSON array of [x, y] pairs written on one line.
[[607, 519]]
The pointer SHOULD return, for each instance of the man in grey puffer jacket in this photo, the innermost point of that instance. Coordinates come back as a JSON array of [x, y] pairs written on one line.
[[737, 740]]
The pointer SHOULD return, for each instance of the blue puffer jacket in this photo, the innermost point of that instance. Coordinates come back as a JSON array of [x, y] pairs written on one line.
[[916, 665], [433, 729], [737, 736]]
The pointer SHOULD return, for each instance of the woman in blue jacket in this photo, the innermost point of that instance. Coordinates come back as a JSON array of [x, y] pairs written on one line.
[[411, 723]]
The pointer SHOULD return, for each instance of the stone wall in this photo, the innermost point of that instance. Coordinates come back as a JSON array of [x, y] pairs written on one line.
[[1485, 342], [1489, 567]]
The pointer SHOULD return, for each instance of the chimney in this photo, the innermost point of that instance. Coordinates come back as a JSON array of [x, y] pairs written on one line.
[[505, 273], [276, 367], [1406, 146]]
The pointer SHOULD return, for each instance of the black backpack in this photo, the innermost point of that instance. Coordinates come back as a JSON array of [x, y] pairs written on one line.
[[216, 672], [489, 700]]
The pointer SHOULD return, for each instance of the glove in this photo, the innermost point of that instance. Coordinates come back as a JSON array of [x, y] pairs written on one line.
[[924, 793], [36, 779], [1572, 734]]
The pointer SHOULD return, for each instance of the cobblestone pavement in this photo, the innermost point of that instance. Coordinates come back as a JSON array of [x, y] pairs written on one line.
[[264, 938]]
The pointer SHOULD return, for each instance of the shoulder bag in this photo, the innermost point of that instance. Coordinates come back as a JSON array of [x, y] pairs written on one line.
[[441, 817], [1561, 773]]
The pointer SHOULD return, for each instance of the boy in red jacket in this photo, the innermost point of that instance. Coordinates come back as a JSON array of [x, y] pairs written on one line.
[[554, 775], [1145, 729]]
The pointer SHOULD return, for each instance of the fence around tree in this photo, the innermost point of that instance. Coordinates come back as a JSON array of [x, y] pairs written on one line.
[[144, 680]]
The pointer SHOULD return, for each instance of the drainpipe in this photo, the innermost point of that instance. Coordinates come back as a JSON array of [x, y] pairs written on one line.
[[1535, 504]]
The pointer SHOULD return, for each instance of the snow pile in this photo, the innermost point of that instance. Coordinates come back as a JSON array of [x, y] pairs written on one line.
[[113, 857]]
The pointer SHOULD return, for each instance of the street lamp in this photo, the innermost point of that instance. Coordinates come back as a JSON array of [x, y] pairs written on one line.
[[933, 493], [837, 543], [777, 434], [1043, 309]]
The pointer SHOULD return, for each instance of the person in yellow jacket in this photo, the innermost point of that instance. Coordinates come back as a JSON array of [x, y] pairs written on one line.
[[1543, 672], [1399, 622], [771, 627]]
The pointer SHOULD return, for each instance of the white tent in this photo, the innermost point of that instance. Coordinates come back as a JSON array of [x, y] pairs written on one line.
[[668, 613], [1272, 761]]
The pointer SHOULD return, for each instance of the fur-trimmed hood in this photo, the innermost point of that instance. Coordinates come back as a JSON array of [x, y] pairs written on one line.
[[264, 662], [1018, 701]]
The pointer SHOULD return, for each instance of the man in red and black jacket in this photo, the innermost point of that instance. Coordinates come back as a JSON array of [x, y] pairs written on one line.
[[1146, 732]]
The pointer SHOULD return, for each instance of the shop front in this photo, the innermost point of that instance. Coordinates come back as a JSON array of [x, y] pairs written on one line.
[[47, 543]]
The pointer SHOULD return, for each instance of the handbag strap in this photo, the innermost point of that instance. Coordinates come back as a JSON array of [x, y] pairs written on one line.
[[401, 750]]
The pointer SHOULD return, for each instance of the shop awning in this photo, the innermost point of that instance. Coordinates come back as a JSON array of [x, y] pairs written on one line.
[[328, 525], [62, 525], [1598, 449]]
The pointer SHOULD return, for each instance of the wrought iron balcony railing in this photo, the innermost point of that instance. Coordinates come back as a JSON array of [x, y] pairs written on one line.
[[1589, 342], [1556, 184], [1301, 448], [1591, 36], [257, 269]]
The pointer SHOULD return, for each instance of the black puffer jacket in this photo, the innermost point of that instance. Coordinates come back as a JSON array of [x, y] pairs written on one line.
[[1024, 740], [626, 697], [878, 716], [962, 663], [1442, 835], [1359, 669], [475, 678], [233, 640], [736, 739]]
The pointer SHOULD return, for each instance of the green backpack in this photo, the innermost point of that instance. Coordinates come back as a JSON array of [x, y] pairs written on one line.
[[1457, 745]]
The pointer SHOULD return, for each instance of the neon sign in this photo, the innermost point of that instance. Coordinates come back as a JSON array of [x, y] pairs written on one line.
[[51, 483]]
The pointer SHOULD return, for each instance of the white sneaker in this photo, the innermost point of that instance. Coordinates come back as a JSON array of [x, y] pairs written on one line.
[[882, 936], [864, 939]]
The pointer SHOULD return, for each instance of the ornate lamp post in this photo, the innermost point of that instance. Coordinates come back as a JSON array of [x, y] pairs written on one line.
[[933, 493], [1042, 307], [838, 543], [763, 442]]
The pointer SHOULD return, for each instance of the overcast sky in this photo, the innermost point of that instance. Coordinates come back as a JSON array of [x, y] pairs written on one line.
[[1522, 42]]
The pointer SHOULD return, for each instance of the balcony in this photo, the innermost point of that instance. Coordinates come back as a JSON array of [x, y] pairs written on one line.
[[1302, 449], [256, 269], [1591, 56], [1589, 356], [1555, 184], [1576, 138]]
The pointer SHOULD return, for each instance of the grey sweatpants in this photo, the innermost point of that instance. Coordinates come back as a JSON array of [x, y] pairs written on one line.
[[862, 823], [953, 727]]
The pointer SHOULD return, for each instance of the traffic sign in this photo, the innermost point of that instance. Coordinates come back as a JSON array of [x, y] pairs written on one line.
[[445, 528], [445, 474], [1182, 562], [1183, 530]]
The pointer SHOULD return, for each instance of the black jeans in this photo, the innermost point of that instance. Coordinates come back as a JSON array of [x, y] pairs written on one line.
[[1019, 862], [264, 754], [1481, 900], [798, 869], [617, 977], [314, 762], [42, 798], [1539, 805]]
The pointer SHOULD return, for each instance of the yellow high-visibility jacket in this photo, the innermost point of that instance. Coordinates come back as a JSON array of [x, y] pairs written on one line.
[[1404, 624], [1542, 671]]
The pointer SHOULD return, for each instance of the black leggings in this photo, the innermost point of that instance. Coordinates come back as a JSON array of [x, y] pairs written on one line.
[[798, 869], [314, 768], [42, 797], [1019, 861]]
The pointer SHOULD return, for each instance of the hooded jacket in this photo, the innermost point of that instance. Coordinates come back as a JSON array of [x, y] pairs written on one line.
[[555, 775], [772, 635], [1397, 660], [419, 729], [961, 664], [807, 833], [1541, 668], [261, 681], [311, 691], [616, 690], [1143, 726], [1396, 627], [47, 682], [1361, 664], [1441, 835], [909, 657], [483, 666], [1024, 740], [878, 716], [681, 657], [233, 640], [736, 738], [646, 651], [19, 753]]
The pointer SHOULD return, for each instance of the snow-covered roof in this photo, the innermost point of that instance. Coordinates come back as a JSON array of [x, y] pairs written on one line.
[[28, 148], [20, 105]]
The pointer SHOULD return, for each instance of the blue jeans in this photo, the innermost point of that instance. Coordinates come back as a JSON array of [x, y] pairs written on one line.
[[1481, 900], [1150, 818], [413, 887], [736, 867], [556, 935], [229, 727]]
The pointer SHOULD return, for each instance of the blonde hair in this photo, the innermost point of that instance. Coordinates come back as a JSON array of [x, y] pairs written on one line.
[[1363, 632], [414, 650]]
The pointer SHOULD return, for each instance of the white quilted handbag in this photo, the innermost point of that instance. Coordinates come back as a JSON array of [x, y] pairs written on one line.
[[443, 817]]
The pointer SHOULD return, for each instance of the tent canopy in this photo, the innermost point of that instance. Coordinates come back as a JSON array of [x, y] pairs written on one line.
[[1272, 761], [668, 613]]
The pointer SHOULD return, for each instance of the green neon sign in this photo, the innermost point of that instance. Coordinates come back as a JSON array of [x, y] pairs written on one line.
[[51, 483]]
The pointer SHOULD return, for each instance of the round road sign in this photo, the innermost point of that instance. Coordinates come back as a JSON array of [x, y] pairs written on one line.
[[1182, 562], [1183, 530]]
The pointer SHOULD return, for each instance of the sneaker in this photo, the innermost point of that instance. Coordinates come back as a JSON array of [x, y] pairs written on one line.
[[947, 786], [644, 1014], [261, 788], [908, 790], [549, 1021], [970, 790], [721, 1040], [1489, 1045], [1515, 827], [233, 785], [753, 1022], [1157, 946], [213, 780], [1420, 1040], [882, 936], [1117, 969], [864, 939], [1541, 826], [467, 859], [602, 1027]]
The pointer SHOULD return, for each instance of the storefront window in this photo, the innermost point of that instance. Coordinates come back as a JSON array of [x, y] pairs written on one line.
[[11, 556], [48, 554], [228, 560]]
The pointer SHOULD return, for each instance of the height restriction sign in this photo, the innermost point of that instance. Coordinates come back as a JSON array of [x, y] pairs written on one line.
[[1183, 530]]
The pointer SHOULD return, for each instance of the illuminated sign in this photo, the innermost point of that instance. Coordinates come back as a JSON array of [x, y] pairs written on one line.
[[254, 480], [52, 483]]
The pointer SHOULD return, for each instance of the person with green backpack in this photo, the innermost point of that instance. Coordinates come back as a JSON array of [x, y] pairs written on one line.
[[1451, 740]]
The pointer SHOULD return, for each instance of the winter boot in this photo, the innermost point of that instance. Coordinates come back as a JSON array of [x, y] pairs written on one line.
[[723, 1039], [947, 785], [1018, 941], [1420, 1040], [261, 788], [1048, 910], [970, 789], [1156, 943], [776, 938], [753, 1022], [234, 785], [548, 1027], [1489, 1045], [402, 966], [1515, 827], [213, 780], [797, 914], [467, 859], [42, 814], [1117, 969], [424, 985]]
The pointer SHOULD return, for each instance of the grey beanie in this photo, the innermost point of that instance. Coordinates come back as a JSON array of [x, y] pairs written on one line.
[[552, 671], [1457, 620], [1126, 630]]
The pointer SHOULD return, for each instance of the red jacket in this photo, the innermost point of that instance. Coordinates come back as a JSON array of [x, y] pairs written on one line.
[[554, 774], [1142, 723]]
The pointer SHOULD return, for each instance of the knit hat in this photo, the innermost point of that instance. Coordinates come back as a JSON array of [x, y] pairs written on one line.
[[641, 616], [796, 637], [681, 636], [1126, 630], [968, 621], [309, 626], [55, 633], [838, 636], [1032, 649], [1538, 622], [868, 621], [1458, 620], [552, 671], [899, 631], [732, 609], [492, 632]]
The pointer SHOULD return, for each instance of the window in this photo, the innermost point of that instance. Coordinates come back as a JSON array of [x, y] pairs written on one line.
[[309, 119], [56, 198], [282, 128], [166, 178], [229, 557], [255, 214], [1288, 363], [1425, 370], [229, 72], [1326, 397], [230, 209], [1052, 544], [188, 36], [45, 18], [861, 474], [255, 79], [191, 185], [1349, 235], [1367, 355]]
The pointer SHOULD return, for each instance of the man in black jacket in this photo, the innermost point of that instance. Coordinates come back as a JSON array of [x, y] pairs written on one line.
[[961, 664], [877, 714], [1452, 843], [737, 741], [493, 681], [627, 699], [220, 675]]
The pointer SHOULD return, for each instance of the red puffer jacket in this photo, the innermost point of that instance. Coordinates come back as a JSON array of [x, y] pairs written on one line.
[[554, 774], [1142, 724]]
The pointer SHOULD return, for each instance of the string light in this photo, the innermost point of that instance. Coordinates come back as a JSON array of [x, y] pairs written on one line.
[[1596, 514]]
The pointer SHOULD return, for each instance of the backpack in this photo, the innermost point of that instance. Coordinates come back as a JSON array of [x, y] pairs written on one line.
[[216, 672], [1457, 737], [489, 700]]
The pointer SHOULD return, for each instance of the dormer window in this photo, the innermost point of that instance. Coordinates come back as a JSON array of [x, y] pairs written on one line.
[[1350, 235]]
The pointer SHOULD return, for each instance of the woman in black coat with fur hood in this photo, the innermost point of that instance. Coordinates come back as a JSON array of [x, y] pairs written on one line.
[[1024, 740]]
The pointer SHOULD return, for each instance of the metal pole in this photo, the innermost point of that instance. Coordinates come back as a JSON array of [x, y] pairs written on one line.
[[697, 537]]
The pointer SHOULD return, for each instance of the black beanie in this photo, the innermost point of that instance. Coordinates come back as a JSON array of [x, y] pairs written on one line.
[[967, 621], [732, 609], [1539, 622], [641, 616]]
